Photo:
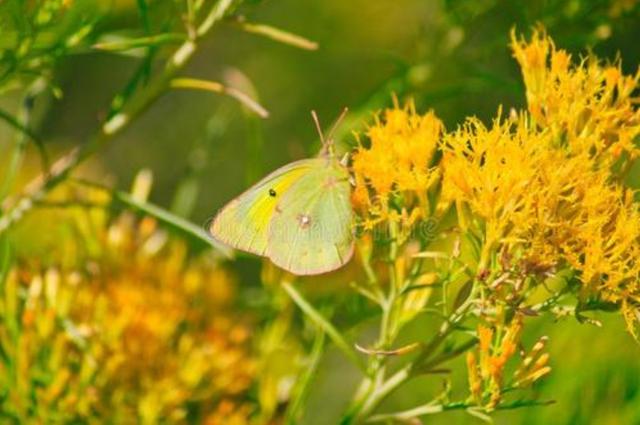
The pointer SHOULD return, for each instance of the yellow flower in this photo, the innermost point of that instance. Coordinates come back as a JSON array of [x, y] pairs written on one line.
[[140, 329], [497, 346], [543, 183], [590, 107], [491, 170], [474, 378], [396, 158]]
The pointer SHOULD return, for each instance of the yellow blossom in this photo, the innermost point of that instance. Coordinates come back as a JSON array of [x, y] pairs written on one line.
[[496, 347], [139, 330], [545, 204], [543, 183], [396, 158], [590, 106]]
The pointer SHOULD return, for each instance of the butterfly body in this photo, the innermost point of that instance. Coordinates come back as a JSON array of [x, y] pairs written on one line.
[[299, 217]]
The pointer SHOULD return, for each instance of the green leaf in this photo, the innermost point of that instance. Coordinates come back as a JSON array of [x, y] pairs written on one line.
[[276, 34], [143, 9], [463, 294], [171, 219], [294, 410], [5, 258], [121, 43], [317, 318]]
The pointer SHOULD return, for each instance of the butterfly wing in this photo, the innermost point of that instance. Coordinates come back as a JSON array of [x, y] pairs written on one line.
[[311, 229], [244, 222]]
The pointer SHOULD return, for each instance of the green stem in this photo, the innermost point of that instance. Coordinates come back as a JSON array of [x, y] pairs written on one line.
[[60, 170], [388, 325], [218, 11], [317, 318], [294, 411], [20, 124], [430, 409], [216, 87], [372, 388], [276, 34], [382, 388]]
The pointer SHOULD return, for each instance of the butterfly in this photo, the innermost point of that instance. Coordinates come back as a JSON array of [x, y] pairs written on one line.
[[299, 216]]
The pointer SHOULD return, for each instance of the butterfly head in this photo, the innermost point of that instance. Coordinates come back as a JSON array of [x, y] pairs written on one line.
[[328, 145]]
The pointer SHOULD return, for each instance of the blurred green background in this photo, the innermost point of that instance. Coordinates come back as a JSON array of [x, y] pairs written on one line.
[[449, 55]]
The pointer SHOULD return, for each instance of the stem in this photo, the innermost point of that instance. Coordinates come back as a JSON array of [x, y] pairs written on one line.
[[382, 389], [60, 170], [215, 15], [295, 409], [372, 389], [388, 325], [21, 124], [317, 318], [372, 392], [430, 409], [276, 34], [215, 87]]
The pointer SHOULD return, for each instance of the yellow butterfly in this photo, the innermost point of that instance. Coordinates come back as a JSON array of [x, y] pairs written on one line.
[[299, 216]]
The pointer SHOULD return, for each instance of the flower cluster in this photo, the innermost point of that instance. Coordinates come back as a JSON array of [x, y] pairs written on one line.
[[530, 208], [589, 107], [545, 182], [542, 202], [396, 159], [487, 367], [141, 328]]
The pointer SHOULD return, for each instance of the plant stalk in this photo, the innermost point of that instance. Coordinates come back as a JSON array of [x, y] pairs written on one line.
[[15, 208]]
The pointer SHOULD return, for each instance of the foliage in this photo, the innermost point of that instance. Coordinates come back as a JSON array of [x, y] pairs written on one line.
[[477, 233]]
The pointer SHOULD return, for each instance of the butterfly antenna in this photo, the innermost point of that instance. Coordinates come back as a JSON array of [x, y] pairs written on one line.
[[317, 122], [336, 124]]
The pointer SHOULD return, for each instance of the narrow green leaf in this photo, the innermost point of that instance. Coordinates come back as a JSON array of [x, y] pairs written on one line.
[[294, 410], [138, 79], [433, 408], [5, 258], [117, 43], [167, 217], [317, 318], [143, 9], [13, 122], [463, 294], [277, 34], [216, 87]]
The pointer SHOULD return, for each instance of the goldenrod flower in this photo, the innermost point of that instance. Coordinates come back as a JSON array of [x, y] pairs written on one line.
[[589, 107], [542, 182], [396, 158], [496, 348], [138, 330]]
